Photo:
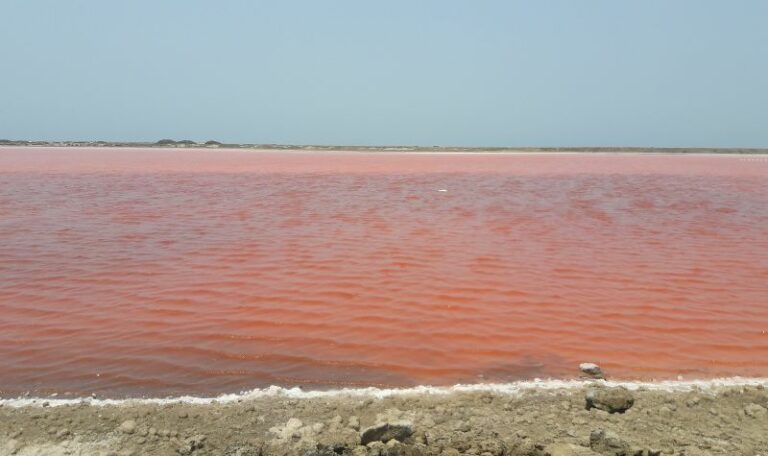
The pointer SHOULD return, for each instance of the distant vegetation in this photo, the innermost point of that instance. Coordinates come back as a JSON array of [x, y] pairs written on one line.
[[171, 142]]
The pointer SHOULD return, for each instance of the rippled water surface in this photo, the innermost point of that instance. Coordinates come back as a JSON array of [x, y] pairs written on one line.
[[131, 272]]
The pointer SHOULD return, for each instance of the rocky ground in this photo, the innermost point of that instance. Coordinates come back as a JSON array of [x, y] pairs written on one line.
[[593, 420]]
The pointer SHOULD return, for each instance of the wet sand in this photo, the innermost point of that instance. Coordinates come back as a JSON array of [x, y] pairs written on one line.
[[723, 420]]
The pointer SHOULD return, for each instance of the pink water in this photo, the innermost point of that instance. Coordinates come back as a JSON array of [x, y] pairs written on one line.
[[130, 272]]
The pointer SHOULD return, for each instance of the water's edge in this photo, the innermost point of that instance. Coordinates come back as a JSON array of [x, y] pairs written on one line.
[[513, 388]]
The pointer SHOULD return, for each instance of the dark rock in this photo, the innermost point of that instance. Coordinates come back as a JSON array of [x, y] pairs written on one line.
[[384, 432], [612, 400], [335, 449]]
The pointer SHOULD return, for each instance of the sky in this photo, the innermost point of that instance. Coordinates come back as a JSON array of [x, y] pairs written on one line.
[[683, 73]]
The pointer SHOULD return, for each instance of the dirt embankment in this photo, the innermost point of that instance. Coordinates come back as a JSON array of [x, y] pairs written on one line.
[[595, 420]]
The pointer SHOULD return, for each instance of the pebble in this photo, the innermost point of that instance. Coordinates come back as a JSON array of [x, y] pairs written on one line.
[[592, 370], [692, 402], [607, 442], [12, 446], [128, 427], [755, 411]]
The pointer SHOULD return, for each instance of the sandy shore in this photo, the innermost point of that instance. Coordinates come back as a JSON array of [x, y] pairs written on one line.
[[591, 419]]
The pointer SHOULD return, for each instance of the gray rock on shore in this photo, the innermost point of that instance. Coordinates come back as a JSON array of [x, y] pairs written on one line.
[[610, 399], [384, 432]]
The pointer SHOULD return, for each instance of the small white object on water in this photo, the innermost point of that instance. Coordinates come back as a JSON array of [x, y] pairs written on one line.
[[443, 190]]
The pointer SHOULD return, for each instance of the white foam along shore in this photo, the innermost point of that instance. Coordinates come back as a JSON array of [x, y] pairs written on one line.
[[514, 388]]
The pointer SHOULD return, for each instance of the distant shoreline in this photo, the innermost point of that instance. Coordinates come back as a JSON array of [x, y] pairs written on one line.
[[187, 144]]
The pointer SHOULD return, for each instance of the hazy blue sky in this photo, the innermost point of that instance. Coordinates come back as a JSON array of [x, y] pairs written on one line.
[[538, 72]]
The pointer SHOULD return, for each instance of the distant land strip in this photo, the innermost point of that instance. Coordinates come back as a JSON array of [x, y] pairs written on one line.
[[186, 143]]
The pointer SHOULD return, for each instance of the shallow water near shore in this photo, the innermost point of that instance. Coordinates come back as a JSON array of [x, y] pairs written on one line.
[[151, 273]]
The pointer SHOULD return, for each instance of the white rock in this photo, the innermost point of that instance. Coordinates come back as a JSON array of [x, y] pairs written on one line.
[[592, 369]]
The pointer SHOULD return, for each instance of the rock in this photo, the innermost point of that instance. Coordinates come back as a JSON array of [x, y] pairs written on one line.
[[567, 449], [242, 450], [592, 370], [354, 423], [608, 443], [528, 448], [12, 446], [492, 447], [376, 449], [612, 400], [191, 444], [293, 424], [692, 402], [395, 448], [748, 450], [384, 432], [128, 427], [755, 411], [327, 450], [62, 433], [292, 430]]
